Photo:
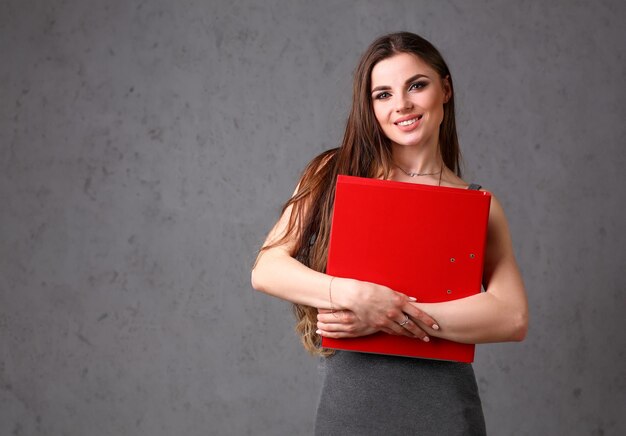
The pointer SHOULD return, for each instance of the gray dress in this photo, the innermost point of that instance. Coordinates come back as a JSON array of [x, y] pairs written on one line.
[[370, 394]]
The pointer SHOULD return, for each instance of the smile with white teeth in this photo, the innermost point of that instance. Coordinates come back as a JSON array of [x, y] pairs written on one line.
[[409, 122]]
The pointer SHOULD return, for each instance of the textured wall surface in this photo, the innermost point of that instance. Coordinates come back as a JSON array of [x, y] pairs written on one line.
[[145, 150]]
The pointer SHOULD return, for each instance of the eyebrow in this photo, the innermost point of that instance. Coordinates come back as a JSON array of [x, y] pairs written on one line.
[[409, 80]]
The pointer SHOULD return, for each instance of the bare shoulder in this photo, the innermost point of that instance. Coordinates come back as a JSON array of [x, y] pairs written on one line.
[[497, 217], [496, 211], [499, 247]]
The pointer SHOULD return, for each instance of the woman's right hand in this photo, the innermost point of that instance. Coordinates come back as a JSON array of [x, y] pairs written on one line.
[[375, 308]]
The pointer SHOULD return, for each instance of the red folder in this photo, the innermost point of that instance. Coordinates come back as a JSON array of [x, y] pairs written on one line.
[[424, 241]]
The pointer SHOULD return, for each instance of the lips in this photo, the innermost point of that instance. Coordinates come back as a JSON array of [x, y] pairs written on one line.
[[407, 121]]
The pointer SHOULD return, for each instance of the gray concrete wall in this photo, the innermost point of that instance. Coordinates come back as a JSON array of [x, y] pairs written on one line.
[[146, 147]]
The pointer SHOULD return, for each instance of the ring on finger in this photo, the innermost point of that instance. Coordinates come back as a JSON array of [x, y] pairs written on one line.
[[405, 322]]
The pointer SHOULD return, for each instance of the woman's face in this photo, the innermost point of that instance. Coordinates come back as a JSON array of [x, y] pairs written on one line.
[[408, 97]]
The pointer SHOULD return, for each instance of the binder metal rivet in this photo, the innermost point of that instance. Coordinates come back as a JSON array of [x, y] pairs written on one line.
[[472, 255], [449, 291], [452, 259]]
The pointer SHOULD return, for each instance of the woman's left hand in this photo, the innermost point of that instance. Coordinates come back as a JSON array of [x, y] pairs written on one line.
[[343, 324]]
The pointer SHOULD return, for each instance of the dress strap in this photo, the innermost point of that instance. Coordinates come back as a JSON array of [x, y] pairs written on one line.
[[474, 187]]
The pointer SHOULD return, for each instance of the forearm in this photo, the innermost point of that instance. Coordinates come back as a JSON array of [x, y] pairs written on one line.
[[278, 274], [481, 318], [375, 307]]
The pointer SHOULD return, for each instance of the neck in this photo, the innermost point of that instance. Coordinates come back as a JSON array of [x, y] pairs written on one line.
[[417, 159]]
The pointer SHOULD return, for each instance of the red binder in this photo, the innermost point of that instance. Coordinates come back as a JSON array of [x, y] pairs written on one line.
[[424, 241]]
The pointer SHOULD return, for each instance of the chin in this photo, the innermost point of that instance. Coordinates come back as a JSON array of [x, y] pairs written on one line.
[[407, 142]]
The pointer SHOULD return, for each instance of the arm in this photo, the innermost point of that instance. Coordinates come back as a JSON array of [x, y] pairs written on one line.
[[501, 313], [278, 273]]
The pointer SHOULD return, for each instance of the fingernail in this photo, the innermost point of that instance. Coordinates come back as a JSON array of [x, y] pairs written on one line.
[[435, 327], [412, 298], [426, 339], [318, 331]]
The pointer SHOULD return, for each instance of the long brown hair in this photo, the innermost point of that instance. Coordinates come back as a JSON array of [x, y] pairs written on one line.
[[365, 152]]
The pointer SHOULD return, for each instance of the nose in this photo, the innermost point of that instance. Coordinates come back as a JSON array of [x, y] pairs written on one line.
[[403, 102]]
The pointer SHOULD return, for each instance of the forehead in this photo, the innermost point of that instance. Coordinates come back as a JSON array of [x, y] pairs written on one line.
[[396, 69]]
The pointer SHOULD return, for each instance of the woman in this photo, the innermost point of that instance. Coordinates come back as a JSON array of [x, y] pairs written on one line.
[[401, 127]]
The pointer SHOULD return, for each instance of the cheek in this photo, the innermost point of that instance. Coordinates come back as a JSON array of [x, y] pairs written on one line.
[[378, 114], [434, 104], [381, 113], [430, 101]]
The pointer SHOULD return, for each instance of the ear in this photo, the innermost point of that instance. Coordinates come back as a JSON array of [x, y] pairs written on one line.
[[447, 89]]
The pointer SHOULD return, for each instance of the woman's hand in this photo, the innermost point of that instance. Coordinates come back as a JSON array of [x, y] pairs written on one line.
[[341, 324], [369, 308]]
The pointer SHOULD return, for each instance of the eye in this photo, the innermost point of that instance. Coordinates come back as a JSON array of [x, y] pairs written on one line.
[[381, 96], [417, 85]]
